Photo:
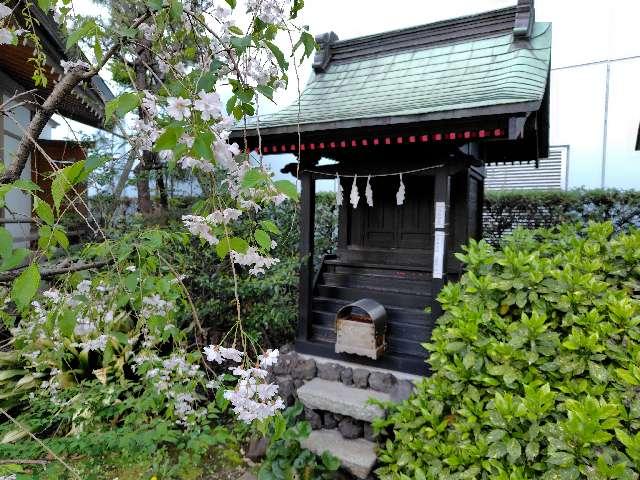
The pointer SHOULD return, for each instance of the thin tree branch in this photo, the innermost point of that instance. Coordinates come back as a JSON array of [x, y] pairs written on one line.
[[52, 272]]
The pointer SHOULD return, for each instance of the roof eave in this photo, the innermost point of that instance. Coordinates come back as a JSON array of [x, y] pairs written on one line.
[[520, 108]]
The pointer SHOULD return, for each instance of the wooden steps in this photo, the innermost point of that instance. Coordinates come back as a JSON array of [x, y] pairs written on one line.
[[405, 293]]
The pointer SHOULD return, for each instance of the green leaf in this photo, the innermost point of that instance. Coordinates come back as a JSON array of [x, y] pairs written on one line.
[[514, 450], [175, 11], [222, 248], [26, 185], [97, 49], [253, 177], [288, 188], [561, 459], [64, 180], [239, 245], [330, 462], [241, 43], [284, 65], [532, 450], [61, 238], [266, 90], [45, 5], [269, 226], [6, 243], [202, 145], [206, 82], [296, 7], [309, 43], [122, 104], [232, 3], [231, 103], [169, 138], [44, 211], [67, 323], [155, 5], [25, 286], [15, 260], [87, 29], [263, 239]]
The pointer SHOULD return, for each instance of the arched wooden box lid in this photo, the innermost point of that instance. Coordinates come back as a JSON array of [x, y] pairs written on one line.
[[366, 307], [360, 329]]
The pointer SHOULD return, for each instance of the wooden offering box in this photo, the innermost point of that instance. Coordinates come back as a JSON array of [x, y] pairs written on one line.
[[360, 329]]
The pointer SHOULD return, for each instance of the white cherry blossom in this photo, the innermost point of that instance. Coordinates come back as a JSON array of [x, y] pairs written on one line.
[[178, 107], [209, 105]]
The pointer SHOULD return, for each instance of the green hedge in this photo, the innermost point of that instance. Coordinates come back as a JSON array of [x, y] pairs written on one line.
[[506, 210], [535, 365]]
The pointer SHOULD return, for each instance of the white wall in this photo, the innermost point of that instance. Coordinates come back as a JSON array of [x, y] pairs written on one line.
[[18, 203]]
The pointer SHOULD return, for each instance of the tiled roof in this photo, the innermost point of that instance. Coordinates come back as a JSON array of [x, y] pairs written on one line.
[[453, 69]]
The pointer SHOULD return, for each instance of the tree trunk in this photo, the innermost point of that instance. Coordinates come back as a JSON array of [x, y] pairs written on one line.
[[162, 189], [145, 206]]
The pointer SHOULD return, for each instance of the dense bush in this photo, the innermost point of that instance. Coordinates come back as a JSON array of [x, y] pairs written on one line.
[[506, 210], [535, 365], [270, 303]]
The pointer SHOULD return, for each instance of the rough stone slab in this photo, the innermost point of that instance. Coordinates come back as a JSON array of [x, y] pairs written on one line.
[[356, 456], [336, 397], [354, 366]]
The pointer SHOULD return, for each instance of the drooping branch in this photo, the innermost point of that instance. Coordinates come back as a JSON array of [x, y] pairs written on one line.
[[58, 95], [52, 272]]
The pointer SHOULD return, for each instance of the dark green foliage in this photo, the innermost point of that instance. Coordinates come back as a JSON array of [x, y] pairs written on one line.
[[269, 302], [286, 459], [505, 210], [535, 365]]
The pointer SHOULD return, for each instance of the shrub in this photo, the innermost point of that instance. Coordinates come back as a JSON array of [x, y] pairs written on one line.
[[506, 210], [535, 365]]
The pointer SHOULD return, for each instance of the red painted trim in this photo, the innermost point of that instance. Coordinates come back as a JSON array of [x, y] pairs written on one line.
[[482, 133]]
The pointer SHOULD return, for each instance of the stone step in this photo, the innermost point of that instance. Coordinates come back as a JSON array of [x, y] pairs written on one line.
[[356, 456], [335, 397]]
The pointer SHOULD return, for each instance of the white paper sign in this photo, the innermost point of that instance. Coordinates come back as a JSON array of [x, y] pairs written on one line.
[[440, 214], [438, 254]]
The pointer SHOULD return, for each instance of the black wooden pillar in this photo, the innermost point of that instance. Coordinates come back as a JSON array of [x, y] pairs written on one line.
[[307, 222], [442, 199]]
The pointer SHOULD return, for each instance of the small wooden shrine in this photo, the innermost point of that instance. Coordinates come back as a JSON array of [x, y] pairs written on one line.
[[409, 117]]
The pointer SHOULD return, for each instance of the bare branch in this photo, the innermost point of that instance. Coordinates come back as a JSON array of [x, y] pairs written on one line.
[[52, 272]]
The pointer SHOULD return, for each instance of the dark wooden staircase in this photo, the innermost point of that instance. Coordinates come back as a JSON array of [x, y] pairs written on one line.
[[405, 292]]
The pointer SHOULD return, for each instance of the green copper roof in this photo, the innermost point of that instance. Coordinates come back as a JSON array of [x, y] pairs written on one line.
[[367, 84]]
